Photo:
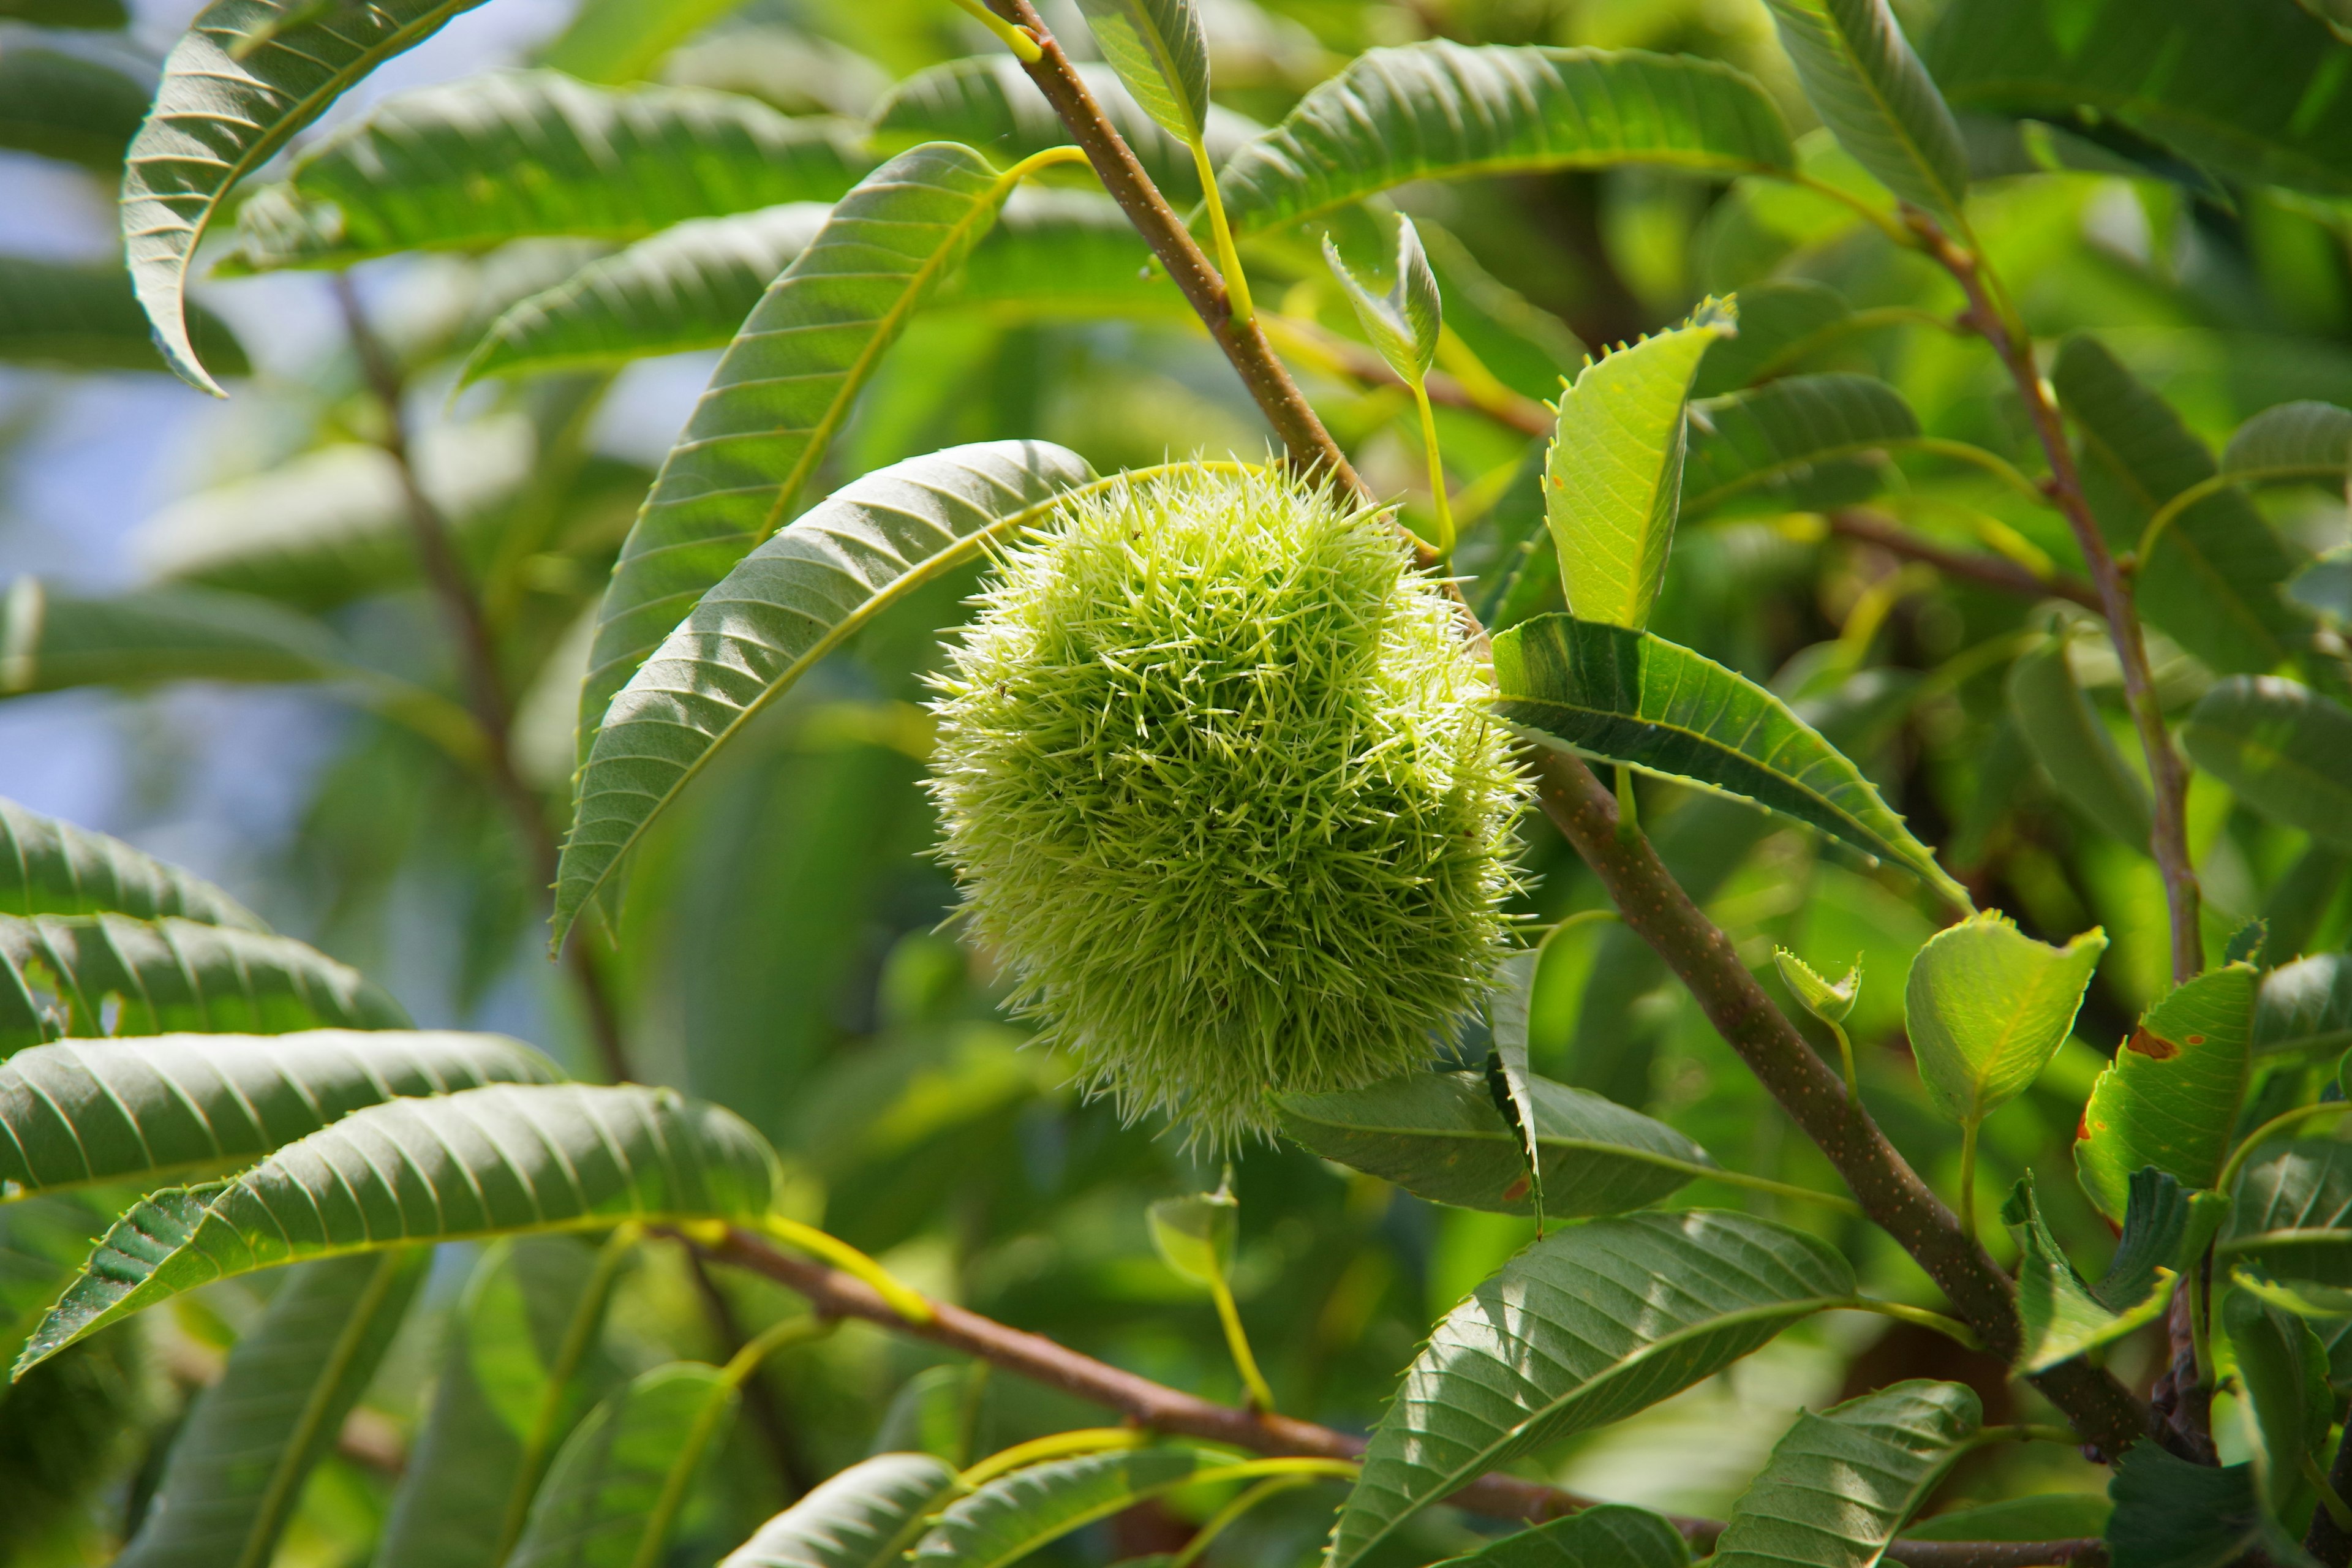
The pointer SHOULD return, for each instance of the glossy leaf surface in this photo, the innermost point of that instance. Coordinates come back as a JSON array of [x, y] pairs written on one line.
[[2062, 1316], [1013, 1515]]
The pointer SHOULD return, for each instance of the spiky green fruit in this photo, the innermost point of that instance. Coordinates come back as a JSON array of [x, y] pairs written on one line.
[[1218, 787]]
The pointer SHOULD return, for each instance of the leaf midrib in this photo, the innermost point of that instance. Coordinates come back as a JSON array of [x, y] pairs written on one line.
[[1543, 1140]]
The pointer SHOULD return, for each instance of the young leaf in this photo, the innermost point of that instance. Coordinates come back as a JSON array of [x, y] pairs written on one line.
[[506, 1160], [1775, 434], [2283, 747], [74, 317], [48, 867], [2171, 1513], [1404, 323], [223, 110], [1510, 1077], [494, 158], [2286, 1406], [56, 105], [1779, 319], [1870, 89], [1161, 53], [1839, 1484], [1195, 1235], [1629, 697], [2171, 1096], [2061, 1315], [1610, 1535], [1013, 1515], [1988, 1006], [1613, 477], [236, 1469], [1585, 1327], [783, 390], [1438, 1136], [2064, 731], [81, 1111], [1830, 1003], [109, 974], [1442, 110], [865, 1517], [770, 617], [2302, 440]]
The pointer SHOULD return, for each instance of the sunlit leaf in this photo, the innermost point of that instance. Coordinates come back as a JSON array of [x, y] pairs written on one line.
[[1839, 1484], [1831, 1003], [49, 866], [2304, 440], [865, 1517], [1987, 1006], [2063, 732], [2282, 748], [1404, 323], [621, 40], [1195, 1235], [1013, 1515], [1870, 89], [2171, 1096], [63, 105], [86, 318], [616, 1488], [1161, 54]]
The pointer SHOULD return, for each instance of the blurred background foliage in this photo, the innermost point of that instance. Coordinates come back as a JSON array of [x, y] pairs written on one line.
[[270, 702]]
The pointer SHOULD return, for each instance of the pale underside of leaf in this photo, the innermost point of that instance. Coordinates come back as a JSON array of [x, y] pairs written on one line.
[[1013, 1515], [1161, 53], [1861, 74], [49, 866], [863, 1517]]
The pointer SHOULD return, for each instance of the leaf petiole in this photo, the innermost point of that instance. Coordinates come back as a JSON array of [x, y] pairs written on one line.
[[1229, 260], [1436, 469], [1025, 47], [1261, 1397]]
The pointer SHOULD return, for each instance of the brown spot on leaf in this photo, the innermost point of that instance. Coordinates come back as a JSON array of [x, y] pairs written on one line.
[[2154, 1045], [2083, 1128], [2195, 1040], [1517, 1190]]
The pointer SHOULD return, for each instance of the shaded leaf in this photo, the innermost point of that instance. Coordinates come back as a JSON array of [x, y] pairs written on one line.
[[1610, 1535], [2293, 1212], [1839, 1484], [1778, 317], [2064, 731], [86, 318], [1987, 1006], [1013, 1515], [91, 13], [1587, 1326], [1629, 697], [1772, 436], [2054, 1516], [1860, 75], [2061, 1316], [1194, 1235], [2171, 1096], [1438, 1136], [1440, 109], [506, 1160], [2323, 586], [1404, 323], [621, 40], [2282, 748], [49, 866], [223, 110], [2304, 440], [62, 106], [863, 1517], [2305, 1005], [78, 1111], [2165, 1226], [2171, 1514], [2286, 1406], [773, 615], [1161, 54], [616, 1489], [54, 642], [1509, 1076], [94, 975], [237, 1467]]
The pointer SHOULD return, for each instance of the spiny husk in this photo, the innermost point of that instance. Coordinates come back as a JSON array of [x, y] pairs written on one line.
[[1219, 793]]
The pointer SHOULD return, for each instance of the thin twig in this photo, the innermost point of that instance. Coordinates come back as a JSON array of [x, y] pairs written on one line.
[[1992, 571], [766, 1410]]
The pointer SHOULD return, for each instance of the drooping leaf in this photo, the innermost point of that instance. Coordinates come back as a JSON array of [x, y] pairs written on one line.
[[1839, 1484], [1161, 54], [235, 1468], [1987, 1006], [1404, 323], [783, 390], [2250, 91], [1629, 697], [227, 103], [772, 616], [2305, 1005], [615, 1489], [2063, 732], [2171, 1513], [1772, 436], [1013, 1515], [2302, 440], [1510, 1075], [2293, 1213], [63, 105], [2286, 1406], [49, 866], [1777, 319], [621, 40], [688, 287], [493, 158], [1444, 110], [2171, 1096], [1587, 1326], [86, 318], [506, 1160], [2211, 578], [865, 1516], [520, 1367], [2282, 748], [1611, 1535], [1860, 75], [54, 642], [94, 975], [1613, 476], [80, 1111], [2061, 1316], [1438, 1136], [1195, 1235]]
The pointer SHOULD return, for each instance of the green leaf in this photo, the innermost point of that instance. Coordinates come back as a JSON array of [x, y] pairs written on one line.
[[623, 40], [96, 15], [62, 106], [217, 118], [1629, 697], [2171, 1514], [493, 158], [1830, 1003], [2282, 748], [2211, 580], [2061, 1315], [617, 1486], [865, 1516], [1056, 253], [93, 975], [86, 318], [1610, 1535], [771, 617], [1839, 1484], [506, 1160], [1870, 89], [1404, 323], [1438, 1136], [2064, 731], [1774, 435], [688, 287], [519, 1369], [1013, 1515], [237, 1465], [2293, 1212], [1510, 1079], [2171, 1096], [2305, 1005], [55, 642], [1988, 1006], [783, 390], [1194, 1235], [2054, 1516], [1779, 319], [2304, 440], [42, 1243], [1161, 54], [1587, 1326], [2165, 1226], [78, 1111], [1613, 476], [1444, 110], [2286, 1406], [2251, 91], [2323, 587], [52, 868]]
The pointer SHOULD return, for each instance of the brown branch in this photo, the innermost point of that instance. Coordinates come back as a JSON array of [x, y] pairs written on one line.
[[1992, 571], [832, 1294]]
